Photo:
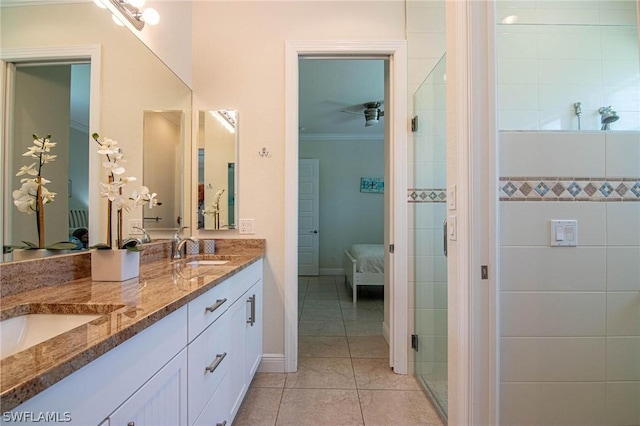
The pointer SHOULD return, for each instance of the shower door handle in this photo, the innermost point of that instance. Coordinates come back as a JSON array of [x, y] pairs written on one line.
[[444, 237]]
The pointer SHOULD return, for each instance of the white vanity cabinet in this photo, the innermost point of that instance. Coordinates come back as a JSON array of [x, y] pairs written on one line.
[[219, 356], [192, 367], [133, 374]]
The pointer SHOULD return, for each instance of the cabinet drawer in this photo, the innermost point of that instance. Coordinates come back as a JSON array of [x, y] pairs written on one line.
[[210, 356], [207, 308]]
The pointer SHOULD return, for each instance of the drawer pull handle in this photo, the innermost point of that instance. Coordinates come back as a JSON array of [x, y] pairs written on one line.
[[216, 362], [131, 424], [252, 315], [216, 305], [222, 424]]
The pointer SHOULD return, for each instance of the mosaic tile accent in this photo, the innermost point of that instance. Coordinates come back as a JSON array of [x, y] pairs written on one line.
[[569, 189], [429, 195]]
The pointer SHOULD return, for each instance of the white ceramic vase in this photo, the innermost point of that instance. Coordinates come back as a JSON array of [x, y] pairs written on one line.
[[114, 265]]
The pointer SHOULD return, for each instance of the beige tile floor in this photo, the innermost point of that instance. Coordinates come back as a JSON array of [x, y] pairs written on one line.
[[343, 375]]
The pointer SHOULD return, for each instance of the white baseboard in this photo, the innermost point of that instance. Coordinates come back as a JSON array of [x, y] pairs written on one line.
[[272, 363], [385, 332], [331, 271]]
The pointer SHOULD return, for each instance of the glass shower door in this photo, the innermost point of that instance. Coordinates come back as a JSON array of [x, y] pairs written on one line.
[[430, 263]]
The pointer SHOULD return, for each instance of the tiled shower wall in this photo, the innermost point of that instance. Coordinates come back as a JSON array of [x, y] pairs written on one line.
[[562, 52], [570, 316]]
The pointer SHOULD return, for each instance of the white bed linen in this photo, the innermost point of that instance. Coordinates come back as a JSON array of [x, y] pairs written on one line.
[[369, 257]]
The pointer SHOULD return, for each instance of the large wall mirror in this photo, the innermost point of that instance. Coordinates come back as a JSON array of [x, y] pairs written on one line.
[[120, 90], [217, 169]]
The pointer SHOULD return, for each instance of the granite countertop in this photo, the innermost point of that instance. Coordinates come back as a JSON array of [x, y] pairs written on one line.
[[126, 308]]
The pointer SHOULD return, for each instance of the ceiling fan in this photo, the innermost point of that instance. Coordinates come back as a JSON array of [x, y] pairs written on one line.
[[371, 110]]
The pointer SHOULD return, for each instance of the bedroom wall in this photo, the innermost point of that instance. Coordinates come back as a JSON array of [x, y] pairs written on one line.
[[347, 216]]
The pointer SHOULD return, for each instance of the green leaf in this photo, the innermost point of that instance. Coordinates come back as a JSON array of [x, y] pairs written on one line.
[[135, 248], [61, 245], [30, 245], [100, 246]]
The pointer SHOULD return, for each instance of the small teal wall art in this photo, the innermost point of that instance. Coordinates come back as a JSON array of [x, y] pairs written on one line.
[[372, 184]]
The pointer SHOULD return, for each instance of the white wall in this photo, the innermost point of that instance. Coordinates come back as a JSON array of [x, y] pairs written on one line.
[[562, 52], [347, 216], [570, 316], [239, 63]]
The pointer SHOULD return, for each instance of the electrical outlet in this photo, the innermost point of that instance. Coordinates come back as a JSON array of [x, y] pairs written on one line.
[[246, 226], [133, 225]]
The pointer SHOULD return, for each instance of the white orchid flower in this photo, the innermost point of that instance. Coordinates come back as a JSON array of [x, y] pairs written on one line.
[[114, 168], [24, 202], [109, 191], [108, 147], [47, 158], [32, 151], [44, 144], [28, 170], [29, 186], [47, 196], [153, 201]]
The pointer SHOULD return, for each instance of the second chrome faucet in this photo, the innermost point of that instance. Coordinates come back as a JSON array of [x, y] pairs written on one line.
[[177, 243]]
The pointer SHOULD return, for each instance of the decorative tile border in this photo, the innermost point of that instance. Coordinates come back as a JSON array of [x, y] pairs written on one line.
[[569, 189], [428, 195]]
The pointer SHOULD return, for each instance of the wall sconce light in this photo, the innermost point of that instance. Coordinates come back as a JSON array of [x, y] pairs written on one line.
[[132, 11], [264, 153]]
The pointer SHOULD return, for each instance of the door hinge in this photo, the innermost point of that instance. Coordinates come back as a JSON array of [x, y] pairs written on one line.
[[414, 342], [484, 272], [414, 124], [391, 248]]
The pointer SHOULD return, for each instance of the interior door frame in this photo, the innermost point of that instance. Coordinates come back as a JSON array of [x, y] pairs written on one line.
[[397, 130], [9, 56]]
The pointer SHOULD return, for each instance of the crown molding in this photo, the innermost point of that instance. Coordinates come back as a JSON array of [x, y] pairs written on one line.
[[339, 137]]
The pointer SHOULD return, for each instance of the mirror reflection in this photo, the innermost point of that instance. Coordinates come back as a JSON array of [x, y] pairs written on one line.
[[64, 116], [217, 169], [163, 148], [132, 85]]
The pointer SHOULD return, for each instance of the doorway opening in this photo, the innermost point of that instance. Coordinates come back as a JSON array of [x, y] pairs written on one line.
[[341, 222], [393, 54]]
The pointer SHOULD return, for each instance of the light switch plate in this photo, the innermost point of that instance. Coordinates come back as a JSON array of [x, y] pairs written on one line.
[[563, 233], [133, 225], [452, 228], [246, 226], [451, 197]]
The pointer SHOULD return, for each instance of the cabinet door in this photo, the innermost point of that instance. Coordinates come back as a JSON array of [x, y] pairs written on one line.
[[160, 401], [253, 334], [236, 383]]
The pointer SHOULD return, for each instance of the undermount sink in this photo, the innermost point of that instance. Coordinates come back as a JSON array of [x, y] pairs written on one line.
[[206, 262], [24, 331]]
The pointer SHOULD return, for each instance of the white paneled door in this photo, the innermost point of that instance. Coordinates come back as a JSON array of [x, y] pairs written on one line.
[[308, 217]]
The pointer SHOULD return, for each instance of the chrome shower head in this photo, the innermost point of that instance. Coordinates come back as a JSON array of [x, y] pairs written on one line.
[[607, 116]]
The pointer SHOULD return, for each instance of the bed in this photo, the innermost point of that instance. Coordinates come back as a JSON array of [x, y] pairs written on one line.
[[364, 265]]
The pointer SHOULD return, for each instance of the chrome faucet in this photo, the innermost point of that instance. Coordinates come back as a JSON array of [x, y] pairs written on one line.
[[146, 238], [177, 243]]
